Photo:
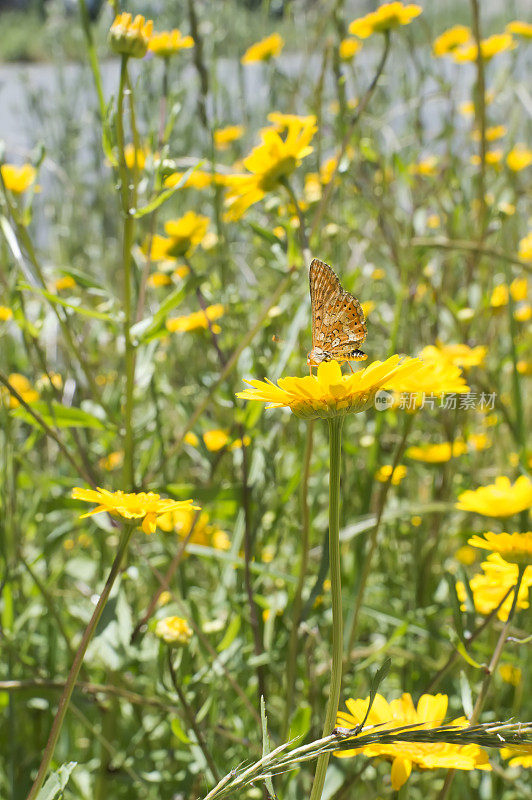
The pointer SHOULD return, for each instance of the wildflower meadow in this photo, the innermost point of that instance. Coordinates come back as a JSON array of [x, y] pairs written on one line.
[[265, 400]]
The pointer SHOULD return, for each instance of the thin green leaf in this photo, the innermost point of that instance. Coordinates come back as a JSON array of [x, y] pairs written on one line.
[[53, 298], [166, 194], [57, 782], [179, 731], [58, 416], [266, 746], [230, 634]]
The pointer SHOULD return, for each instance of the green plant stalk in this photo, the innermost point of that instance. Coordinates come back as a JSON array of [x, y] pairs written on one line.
[[93, 56], [480, 118], [127, 244], [64, 700], [335, 459], [494, 662], [374, 534], [303, 564], [520, 429]]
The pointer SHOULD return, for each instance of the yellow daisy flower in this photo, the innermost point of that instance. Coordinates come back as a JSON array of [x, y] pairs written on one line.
[[139, 156], [278, 155], [332, 394], [519, 157], [493, 157], [489, 47], [266, 49], [159, 279], [22, 385], [437, 453], [518, 757], [514, 547], [384, 474], [499, 296], [129, 36], [197, 320], [168, 43], [348, 48], [174, 630], [196, 528], [510, 674], [427, 167], [385, 18], [146, 506], [499, 499], [223, 137], [493, 583], [215, 439], [430, 713], [493, 133], [112, 461], [450, 39], [461, 355], [520, 28], [525, 248], [66, 282], [5, 314], [184, 235], [18, 179]]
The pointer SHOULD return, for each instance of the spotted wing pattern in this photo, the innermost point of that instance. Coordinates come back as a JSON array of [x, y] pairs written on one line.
[[338, 323]]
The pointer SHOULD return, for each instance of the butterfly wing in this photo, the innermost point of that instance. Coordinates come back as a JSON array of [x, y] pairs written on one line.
[[338, 323]]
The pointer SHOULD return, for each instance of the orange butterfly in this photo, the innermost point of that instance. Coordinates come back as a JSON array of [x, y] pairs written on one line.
[[338, 322]]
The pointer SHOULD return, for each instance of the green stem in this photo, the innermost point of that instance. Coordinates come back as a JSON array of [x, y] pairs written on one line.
[[93, 56], [480, 118], [408, 421], [497, 653], [64, 700], [127, 243], [519, 428], [298, 596], [335, 451]]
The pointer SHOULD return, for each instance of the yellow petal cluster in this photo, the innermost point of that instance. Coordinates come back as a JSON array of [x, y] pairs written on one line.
[[135, 157], [18, 179], [215, 439], [430, 713], [499, 499], [223, 137], [329, 393], [461, 355], [514, 547], [385, 18], [283, 146], [194, 527], [22, 385], [5, 313], [387, 473], [518, 758], [437, 453], [525, 247], [197, 320], [450, 39], [519, 158], [489, 47], [520, 28], [168, 43], [146, 506], [493, 583], [184, 235], [264, 50], [348, 48], [174, 630], [130, 37]]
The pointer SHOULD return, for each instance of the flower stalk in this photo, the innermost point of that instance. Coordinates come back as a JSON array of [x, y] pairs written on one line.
[[335, 452], [64, 700], [127, 244]]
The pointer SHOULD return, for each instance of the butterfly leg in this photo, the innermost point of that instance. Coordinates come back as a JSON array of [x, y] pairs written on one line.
[[350, 367]]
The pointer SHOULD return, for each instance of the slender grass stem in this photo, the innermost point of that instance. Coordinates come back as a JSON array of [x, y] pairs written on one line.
[[374, 534], [93, 55], [494, 661], [191, 719], [441, 243], [303, 564], [335, 458], [480, 117], [127, 244], [64, 700]]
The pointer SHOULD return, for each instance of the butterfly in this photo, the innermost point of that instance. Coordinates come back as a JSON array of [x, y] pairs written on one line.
[[338, 322]]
